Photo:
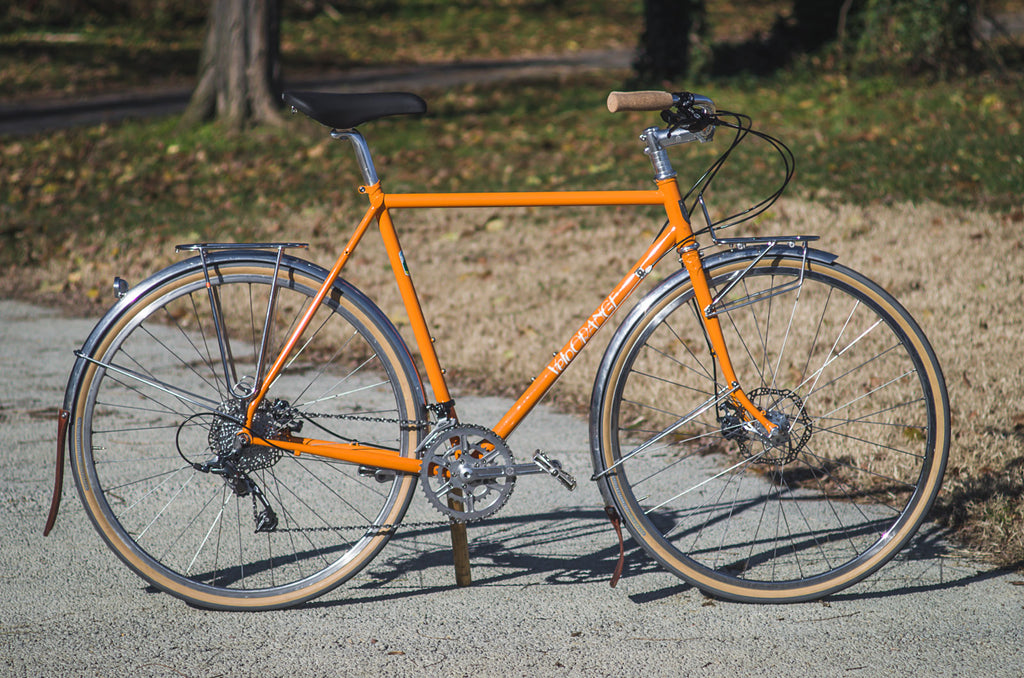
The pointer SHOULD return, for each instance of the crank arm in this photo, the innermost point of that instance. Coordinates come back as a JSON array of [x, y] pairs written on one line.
[[541, 464]]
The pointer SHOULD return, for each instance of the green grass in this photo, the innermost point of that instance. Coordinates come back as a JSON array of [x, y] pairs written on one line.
[[957, 143], [439, 30], [45, 62], [954, 143]]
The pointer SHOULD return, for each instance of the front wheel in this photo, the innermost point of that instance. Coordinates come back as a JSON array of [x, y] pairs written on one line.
[[158, 459], [832, 359]]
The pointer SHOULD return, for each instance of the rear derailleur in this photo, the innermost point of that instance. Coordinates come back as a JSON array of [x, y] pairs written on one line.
[[236, 456]]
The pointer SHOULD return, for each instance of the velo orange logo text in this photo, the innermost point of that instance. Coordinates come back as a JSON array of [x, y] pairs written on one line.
[[582, 336]]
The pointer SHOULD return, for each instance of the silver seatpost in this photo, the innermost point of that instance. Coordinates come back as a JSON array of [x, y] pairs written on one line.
[[362, 153]]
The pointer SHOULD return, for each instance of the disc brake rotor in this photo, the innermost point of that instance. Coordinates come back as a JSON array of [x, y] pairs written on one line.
[[786, 410]]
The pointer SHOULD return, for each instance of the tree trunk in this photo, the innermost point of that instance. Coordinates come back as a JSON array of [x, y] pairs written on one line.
[[669, 28], [238, 67]]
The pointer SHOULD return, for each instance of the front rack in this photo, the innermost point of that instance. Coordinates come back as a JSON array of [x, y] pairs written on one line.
[[720, 304]]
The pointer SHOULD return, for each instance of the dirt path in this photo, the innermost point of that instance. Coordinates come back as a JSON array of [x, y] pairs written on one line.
[[29, 118]]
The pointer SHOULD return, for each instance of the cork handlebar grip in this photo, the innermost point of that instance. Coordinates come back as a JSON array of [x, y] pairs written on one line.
[[639, 101]]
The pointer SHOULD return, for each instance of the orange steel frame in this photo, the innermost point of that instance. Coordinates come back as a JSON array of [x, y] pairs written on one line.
[[677, 235]]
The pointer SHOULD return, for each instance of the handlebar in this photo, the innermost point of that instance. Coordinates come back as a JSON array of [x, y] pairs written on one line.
[[690, 117], [640, 101], [692, 113]]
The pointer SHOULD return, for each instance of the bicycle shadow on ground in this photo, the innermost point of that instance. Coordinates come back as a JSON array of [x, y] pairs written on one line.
[[931, 562], [510, 551], [535, 549]]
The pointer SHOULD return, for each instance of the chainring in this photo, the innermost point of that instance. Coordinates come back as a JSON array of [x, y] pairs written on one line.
[[448, 464]]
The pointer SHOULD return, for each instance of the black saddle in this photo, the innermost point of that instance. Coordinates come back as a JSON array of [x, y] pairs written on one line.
[[345, 111]]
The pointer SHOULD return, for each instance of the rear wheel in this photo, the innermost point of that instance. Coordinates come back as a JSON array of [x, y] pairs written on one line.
[[832, 359], [161, 469]]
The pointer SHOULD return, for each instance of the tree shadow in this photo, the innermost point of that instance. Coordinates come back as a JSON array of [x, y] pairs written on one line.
[[813, 24]]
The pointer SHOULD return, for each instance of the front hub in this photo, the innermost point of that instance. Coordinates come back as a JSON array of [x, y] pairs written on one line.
[[787, 411]]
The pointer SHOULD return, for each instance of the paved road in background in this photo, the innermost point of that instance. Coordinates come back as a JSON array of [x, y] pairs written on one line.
[[32, 117], [540, 604]]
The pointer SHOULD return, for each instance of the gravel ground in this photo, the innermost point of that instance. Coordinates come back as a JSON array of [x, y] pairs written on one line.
[[540, 604]]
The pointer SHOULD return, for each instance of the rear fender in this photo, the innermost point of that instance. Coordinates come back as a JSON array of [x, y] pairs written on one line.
[[66, 413]]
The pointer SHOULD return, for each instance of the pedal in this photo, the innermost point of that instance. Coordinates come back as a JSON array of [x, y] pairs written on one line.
[[554, 468]]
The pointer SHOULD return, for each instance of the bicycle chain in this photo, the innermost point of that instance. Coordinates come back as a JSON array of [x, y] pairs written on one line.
[[407, 425], [381, 529]]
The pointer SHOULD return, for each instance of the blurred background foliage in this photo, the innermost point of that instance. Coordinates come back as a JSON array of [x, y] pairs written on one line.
[[681, 37]]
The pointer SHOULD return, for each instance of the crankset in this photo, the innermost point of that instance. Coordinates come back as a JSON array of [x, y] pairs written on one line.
[[468, 472]]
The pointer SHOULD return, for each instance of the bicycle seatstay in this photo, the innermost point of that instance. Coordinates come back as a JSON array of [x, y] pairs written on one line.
[[289, 345]]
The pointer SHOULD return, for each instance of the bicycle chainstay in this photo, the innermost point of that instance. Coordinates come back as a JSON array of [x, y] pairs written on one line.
[[461, 497], [266, 520]]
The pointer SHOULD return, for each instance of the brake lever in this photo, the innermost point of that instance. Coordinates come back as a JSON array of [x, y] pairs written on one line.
[[688, 115]]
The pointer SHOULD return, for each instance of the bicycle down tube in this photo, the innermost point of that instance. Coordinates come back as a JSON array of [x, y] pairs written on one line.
[[676, 236]]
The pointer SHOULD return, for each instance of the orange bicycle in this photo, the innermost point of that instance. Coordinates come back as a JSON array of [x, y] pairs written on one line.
[[247, 429]]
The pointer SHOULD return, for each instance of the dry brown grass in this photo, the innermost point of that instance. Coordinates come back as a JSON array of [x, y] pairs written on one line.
[[503, 289]]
